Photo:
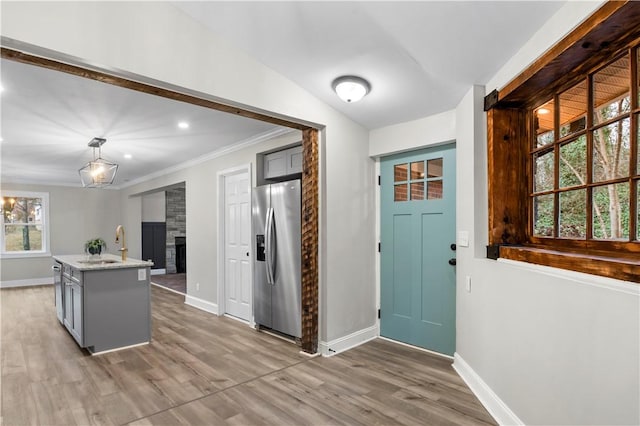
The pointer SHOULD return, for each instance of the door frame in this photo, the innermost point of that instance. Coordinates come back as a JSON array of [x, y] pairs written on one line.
[[221, 179]]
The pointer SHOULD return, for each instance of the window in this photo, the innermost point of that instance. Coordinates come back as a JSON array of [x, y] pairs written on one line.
[[585, 180], [564, 155], [410, 180], [24, 224]]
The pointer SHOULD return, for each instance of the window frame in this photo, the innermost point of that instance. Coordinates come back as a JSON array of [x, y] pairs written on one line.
[[632, 178], [46, 249], [601, 39]]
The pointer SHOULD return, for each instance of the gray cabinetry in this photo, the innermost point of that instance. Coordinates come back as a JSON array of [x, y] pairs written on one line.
[[73, 305], [283, 163], [106, 308]]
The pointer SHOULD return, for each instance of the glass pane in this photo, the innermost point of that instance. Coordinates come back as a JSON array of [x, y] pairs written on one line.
[[611, 91], [611, 149], [417, 191], [434, 188], [22, 210], [543, 215], [573, 163], [434, 168], [417, 170], [543, 179], [573, 214], [400, 172], [23, 237], [638, 143], [400, 192], [573, 109], [544, 123], [611, 212]]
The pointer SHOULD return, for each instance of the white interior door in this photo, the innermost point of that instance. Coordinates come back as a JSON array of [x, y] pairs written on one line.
[[237, 224]]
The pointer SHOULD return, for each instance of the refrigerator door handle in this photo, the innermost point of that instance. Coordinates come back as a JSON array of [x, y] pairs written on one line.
[[268, 236]]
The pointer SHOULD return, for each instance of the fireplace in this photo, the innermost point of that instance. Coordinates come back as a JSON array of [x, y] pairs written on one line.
[[181, 255]]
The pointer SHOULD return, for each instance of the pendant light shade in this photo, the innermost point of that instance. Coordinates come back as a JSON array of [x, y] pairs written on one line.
[[350, 88], [99, 172]]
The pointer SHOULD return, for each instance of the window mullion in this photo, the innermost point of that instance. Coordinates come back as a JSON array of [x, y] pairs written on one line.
[[589, 200], [633, 156], [556, 166]]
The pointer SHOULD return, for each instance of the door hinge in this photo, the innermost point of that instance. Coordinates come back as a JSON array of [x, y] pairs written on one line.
[[379, 180], [379, 247], [378, 313]]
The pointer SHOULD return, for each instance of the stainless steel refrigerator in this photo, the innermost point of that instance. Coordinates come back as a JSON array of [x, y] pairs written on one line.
[[277, 280]]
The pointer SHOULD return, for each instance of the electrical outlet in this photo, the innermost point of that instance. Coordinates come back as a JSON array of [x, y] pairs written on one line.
[[197, 286]]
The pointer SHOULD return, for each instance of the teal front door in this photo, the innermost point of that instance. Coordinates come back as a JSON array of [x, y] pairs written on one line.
[[417, 264]]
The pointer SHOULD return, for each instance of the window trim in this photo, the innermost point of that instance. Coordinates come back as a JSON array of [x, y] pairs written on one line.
[[46, 232], [510, 135]]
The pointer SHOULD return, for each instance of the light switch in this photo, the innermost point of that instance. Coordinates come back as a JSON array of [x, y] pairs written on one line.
[[142, 274], [463, 238]]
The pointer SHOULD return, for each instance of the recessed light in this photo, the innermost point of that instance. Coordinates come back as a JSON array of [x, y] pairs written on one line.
[[543, 111], [128, 156], [183, 125]]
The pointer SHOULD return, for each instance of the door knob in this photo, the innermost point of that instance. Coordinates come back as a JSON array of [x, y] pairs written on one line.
[[247, 254], [453, 246], [452, 261]]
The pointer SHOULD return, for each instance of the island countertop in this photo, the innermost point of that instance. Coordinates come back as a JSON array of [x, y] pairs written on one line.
[[83, 262]]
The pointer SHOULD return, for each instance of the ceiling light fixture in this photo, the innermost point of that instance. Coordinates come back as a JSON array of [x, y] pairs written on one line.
[[99, 172], [128, 156], [350, 88], [183, 125]]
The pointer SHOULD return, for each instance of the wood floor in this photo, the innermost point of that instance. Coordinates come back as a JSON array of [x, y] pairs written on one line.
[[202, 369], [176, 282]]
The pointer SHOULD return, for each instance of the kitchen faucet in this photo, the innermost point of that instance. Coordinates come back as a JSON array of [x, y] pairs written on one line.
[[123, 250]]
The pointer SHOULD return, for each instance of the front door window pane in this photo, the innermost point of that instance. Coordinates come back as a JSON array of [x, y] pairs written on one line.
[[434, 168], [572, 221], [400, 173], [417, 170], [434, 189], [417, 191], [400, 192]]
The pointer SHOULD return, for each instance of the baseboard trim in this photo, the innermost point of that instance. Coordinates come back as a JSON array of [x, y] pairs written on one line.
[[348, 342], [201, 304], [26, 283], [492, 402]]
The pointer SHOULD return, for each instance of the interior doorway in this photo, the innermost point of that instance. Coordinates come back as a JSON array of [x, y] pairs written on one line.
[[235, 293], [164, 236]]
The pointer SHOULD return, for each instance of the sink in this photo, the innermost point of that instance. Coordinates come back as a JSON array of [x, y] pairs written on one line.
[[98, 261]]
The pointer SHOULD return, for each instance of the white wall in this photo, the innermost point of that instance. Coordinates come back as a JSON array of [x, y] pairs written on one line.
[[155, 40], [154, 207], [75, 216], [552, 346]]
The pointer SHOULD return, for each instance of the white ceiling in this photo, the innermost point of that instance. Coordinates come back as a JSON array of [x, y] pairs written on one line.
[[420, 58]]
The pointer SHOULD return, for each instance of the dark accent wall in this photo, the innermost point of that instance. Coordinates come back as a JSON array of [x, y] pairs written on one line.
[[176, 214]]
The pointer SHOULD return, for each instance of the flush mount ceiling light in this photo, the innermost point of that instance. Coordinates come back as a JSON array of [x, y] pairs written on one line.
[[99, 172], [350, 88]]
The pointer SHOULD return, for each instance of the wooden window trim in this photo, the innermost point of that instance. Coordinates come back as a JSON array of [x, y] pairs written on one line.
[[609, 32]]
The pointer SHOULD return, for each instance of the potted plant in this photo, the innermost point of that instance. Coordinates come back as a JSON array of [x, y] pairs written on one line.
[[95, 246]]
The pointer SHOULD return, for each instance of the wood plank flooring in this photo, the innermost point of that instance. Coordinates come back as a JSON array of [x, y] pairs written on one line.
[[201, 369]]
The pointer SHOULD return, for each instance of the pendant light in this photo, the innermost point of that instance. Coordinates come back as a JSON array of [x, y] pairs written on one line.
[[99, 172]]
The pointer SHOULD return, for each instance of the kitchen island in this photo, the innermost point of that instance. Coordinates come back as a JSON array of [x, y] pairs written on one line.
[[104, 302]]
